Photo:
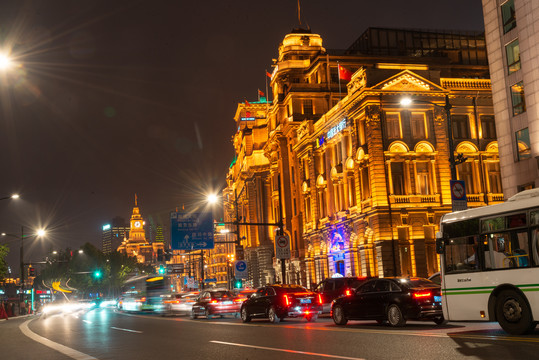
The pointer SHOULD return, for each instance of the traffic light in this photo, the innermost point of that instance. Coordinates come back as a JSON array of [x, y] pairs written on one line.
[[162, 269], [32, 271], [238, 284], [97, 274]]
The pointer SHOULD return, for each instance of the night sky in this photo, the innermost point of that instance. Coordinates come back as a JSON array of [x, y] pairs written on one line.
[[113, 98]]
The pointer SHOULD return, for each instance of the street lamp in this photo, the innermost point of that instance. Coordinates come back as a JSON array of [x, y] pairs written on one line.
[[406, 101], [13, 196], [5, 62]]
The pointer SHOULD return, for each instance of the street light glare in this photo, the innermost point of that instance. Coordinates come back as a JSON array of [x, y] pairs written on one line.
[[5, 62], [15, 196], [41, 232], [212, 198], [406, 101]]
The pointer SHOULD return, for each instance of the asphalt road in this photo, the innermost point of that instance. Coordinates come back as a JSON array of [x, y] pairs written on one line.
[[107, 334]]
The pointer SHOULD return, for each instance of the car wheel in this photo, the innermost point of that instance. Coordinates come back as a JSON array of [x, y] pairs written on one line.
[[193, 314], [440, 320], [394, 316], [272, 315], [311, 318], [338, 315], [513, 313], [245, 315]]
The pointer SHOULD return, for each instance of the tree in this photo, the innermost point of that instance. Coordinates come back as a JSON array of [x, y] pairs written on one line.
[[4, 250]]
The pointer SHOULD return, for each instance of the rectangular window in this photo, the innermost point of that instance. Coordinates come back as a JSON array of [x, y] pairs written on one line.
[[494, 177], [513, 56], [506, 250], [419, 126], [422, 178], [517, 98], [393, 126], [461, 126], [523, 144], [461, 255], [466, 173], [509, 20], [307, 107], [365, 186], [397, 178], [351, 190], [488, 127]]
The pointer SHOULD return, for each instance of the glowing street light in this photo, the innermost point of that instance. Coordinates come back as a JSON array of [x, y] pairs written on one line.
[[5, 62], [13, 196], [212, 198]]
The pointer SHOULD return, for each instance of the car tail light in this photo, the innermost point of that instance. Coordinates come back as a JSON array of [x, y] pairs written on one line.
[[213, 302], [421, 294], [320, 299], [347, 292], [240, 300], [141, 300], [287, 300]]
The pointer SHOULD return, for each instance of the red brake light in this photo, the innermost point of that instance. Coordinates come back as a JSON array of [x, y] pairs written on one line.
[[213, 302], [421, 294], [287, 301], [320, 299], [348, 292]]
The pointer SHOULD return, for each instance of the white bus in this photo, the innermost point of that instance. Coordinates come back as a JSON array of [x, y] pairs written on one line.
[[490, 263]]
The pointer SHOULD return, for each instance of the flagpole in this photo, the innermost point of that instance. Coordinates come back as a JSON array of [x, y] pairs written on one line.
[[267, 93], [339, 76]]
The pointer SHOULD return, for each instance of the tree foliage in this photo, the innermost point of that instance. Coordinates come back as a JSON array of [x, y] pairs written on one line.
[[4, 250]]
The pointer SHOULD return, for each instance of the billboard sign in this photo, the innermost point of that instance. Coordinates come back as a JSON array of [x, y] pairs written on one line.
[[191, 231]]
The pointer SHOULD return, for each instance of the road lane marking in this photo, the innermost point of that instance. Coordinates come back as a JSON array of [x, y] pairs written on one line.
[[287, 350], [462, 335], [128, 330], [86, 321], [72, 353]]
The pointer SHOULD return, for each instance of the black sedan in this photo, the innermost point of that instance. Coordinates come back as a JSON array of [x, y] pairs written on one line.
[[394, 300], [277, 302]]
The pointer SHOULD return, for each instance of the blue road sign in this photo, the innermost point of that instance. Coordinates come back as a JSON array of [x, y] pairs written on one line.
[[240, 269], [191, 231], [210, 280]]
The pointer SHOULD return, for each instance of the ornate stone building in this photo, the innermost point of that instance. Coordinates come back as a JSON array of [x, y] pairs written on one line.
[[364, 180]]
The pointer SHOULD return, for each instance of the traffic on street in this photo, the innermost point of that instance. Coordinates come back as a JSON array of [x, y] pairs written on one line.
[[107, 333]]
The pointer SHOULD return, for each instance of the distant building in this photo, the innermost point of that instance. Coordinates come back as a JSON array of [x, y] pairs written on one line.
[[136, 244], [113, 234], [513, 44]]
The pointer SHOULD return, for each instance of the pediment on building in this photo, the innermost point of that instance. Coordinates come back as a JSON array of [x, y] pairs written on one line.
[[407, 81]]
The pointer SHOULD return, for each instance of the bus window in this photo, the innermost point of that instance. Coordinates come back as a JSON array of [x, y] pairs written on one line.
[[535, 246], [461, 255], [507, 250]]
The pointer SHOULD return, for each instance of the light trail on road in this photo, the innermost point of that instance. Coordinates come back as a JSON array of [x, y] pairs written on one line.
[[287, 350]]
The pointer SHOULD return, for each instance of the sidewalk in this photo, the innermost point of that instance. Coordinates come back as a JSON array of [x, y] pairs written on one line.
[[18, 317]]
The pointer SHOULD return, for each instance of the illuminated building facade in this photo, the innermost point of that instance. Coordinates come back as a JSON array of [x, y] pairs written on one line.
[[512, 43], [136, 244], [361, 181], [113, 234]]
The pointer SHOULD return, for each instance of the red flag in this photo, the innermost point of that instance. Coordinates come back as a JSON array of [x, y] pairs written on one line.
[[247, 114], [268, 74], [344, 73], [260, 93], [247, 103]]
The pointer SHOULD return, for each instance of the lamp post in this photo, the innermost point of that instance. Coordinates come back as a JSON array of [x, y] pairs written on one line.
[[39, 233]]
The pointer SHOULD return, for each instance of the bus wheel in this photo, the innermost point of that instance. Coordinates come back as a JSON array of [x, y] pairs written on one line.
[[513, 313]]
